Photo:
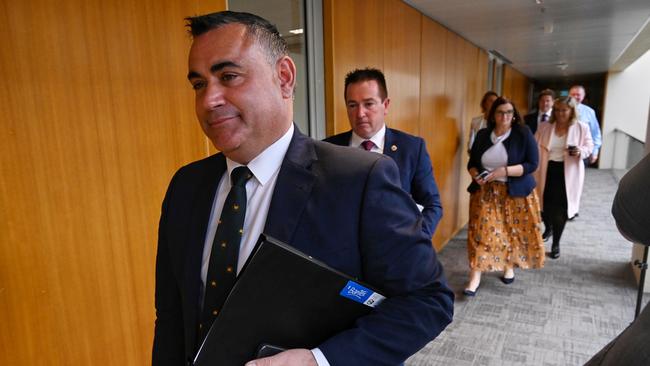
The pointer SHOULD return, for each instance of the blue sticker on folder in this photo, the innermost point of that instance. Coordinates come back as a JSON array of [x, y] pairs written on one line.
[[361, 294]]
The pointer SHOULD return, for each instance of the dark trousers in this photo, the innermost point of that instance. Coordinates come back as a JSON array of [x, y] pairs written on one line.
[[555, 202]]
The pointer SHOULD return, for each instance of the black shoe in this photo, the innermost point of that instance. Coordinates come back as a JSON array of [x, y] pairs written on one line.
[[555, 252], [508, 281], [547, 234], [470, 293]]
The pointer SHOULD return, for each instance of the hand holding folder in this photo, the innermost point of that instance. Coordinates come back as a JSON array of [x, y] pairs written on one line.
[[285, 298]]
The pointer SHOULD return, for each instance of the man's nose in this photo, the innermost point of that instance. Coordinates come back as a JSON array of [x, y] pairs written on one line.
[[213, 96], [361, 112]]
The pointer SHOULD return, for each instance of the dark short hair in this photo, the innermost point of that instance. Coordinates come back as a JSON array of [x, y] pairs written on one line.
[[546, 92], [516, 117], [487, 94], [265, 33], [366, 74]]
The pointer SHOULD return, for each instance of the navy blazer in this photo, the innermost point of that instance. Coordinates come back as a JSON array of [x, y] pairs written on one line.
[[522, 149], [415, 170], [345, 208]]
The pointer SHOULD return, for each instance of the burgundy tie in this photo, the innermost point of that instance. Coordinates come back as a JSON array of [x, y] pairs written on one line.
[[544, 117], [367, 145]]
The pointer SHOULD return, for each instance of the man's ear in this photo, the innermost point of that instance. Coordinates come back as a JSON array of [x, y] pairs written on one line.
[[386, 103], [287, 76]]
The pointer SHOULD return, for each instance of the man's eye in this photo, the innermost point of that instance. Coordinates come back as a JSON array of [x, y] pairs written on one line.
[[228, 77], [352, 105], [370, 104], [198, 85]]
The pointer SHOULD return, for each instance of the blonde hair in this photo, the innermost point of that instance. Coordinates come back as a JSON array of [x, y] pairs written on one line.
[[571, 103]]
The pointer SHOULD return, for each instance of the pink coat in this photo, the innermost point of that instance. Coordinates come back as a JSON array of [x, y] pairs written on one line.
[[574, 169]]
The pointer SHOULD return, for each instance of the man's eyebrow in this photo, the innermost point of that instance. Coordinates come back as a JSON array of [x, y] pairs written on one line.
[[214, 68]]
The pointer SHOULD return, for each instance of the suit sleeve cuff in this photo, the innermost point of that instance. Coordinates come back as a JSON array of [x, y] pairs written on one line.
[[320, 357]]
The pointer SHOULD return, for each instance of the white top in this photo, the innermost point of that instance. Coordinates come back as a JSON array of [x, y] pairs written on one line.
[[557, 146], [497, 155], [379, 139], [478, 123]]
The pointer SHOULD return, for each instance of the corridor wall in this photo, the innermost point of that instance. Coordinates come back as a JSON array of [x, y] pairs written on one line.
[[97, 114]]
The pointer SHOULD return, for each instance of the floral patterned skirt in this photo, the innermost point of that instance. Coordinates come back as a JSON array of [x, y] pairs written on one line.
[[503, 231]]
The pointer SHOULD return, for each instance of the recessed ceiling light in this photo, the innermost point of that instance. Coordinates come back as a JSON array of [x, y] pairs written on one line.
[[296, 31]]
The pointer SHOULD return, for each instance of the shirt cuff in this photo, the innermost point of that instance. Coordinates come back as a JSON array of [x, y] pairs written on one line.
[[320, 357]]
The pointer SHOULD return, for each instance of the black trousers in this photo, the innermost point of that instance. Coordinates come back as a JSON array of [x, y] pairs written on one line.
[[555, 201]]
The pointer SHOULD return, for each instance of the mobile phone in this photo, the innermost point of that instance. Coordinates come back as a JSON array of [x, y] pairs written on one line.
[[483, 175], [572, 150]]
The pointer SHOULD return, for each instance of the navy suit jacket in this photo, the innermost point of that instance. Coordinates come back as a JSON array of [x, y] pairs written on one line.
[[343, 207], [522, 149], [415, 170]]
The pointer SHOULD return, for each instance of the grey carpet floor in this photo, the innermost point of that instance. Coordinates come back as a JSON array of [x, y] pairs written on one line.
[[559, 315]]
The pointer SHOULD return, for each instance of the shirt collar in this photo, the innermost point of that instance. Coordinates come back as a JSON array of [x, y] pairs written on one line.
[[378, 139], [268, 161]]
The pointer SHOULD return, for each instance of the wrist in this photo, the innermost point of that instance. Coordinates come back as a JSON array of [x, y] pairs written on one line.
[[506, 169]]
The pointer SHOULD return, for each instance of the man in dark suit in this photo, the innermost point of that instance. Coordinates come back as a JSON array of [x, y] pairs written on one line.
[[367, 102], [341, 207], [544, 108]]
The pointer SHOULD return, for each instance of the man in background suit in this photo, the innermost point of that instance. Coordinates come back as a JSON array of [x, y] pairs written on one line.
[[587, 115], [367, 102], [543, 112], [345, 208]]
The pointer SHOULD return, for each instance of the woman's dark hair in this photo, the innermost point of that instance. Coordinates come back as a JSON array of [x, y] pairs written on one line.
[[516, 117]]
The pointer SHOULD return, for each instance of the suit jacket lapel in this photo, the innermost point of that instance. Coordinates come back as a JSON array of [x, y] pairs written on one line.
[[292, 189]]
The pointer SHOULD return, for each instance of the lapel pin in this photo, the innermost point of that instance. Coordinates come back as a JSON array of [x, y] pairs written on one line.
[[393, 148]]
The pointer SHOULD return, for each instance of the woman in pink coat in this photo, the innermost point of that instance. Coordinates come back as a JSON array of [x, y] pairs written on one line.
[[563, 143]]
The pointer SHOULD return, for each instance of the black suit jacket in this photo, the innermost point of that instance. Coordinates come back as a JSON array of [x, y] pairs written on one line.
[[415, 170], [343, 207], [531, 121]]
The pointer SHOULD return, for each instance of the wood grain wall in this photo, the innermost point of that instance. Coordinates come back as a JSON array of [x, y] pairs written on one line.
[[96, 116], [435, 81], [516, 86]]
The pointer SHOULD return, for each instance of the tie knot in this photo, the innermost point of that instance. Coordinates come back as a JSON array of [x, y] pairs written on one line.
[[544, 117], [240, 175], [367, 145]]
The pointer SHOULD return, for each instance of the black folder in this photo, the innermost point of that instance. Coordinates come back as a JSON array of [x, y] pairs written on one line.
[[284, 298]]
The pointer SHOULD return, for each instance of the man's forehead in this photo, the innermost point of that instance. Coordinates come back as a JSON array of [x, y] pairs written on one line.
[[367, 89]]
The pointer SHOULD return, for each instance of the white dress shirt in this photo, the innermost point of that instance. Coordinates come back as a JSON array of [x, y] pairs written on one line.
[[379, 139], [259, 191]]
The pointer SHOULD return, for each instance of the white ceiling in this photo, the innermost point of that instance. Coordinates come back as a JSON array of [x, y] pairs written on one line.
[[541, 37]]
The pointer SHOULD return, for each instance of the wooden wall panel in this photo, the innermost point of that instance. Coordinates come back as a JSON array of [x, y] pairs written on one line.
[[402, 64], [436, 122], [97, 115], [516, 86], [351, 42]]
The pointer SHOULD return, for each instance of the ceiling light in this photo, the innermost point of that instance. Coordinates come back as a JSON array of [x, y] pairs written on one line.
[[296, 31]]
